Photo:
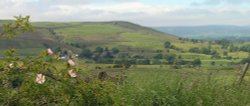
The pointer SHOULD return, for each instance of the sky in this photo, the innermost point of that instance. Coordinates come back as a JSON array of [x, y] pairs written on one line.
[[143, 12]]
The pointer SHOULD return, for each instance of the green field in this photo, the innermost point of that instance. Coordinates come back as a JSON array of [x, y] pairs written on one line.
[[133, 66], [156, 85]]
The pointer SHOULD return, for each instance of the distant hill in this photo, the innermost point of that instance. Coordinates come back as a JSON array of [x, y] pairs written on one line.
[[111, 34], [209, 32], [123, 35]]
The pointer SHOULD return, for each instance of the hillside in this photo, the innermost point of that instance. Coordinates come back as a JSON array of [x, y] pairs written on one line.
[[117, 33], [123, 35], [213, 32]]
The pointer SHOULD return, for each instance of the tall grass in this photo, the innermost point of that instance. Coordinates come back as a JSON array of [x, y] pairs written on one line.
[[182, 88]]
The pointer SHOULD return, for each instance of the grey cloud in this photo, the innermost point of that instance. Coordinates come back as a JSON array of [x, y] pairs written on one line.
[[149, 15]]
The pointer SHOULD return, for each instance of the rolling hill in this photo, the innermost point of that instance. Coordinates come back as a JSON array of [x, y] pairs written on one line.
[[123, 35], [213, 32]]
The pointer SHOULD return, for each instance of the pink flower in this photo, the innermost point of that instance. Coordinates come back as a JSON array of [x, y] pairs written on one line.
[[40, 78], [72, 73], [49, 51], [71, 62]]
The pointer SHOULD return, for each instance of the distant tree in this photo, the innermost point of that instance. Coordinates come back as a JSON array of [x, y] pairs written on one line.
[[167, 44], [158, 51], [216, 56], [224, 43], [245, 60], [179, 57], [58, 49], [233, 48], [99, 49], [195, 50], [213, 63], [143, 61], [106, 49], [194, 40], [85, 53], [225, 53], [156, 61], [196, 63], [46, 45], [181, 62], [107, 54], [115, 50], [170, 58], [158, 56], [229, 57], [245, 48], [213, 52], [205, 50]]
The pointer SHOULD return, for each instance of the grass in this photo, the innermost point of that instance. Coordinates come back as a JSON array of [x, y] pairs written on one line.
[[185, 87], [125, 36], [145, 84]]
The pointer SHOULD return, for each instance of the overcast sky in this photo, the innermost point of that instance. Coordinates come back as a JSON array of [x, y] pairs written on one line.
[[144, 12]]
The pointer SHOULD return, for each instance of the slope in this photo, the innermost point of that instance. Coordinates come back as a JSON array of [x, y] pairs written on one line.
[[111, 34]]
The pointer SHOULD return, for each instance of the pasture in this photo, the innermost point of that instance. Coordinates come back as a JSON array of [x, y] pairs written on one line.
[[152, 86]]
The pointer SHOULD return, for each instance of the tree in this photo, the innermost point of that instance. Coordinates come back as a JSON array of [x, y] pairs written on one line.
[[205, 50], [158, 56], [85, 53], [245, 60], [195, 50], [213, 63], [37, 80], [167, 44], [22, 24], [115, 50], [225, 53], [170, 58], [99, 49], [196, 63]]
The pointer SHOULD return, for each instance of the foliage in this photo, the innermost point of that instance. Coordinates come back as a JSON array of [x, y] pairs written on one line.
[[85, 53], [245, 48], [158, 56], [46, 80], [115, 50], [170, 58], [99, 49], [22, 24], [186, 87], [196, 63]]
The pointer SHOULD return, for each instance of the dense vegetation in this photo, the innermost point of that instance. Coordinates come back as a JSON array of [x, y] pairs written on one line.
[[117, 63]]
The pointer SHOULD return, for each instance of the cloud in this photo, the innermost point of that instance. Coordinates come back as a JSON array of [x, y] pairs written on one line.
[[127, 10], [219, 2]]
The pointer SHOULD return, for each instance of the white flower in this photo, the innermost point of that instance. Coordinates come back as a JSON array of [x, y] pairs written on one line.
[[11, 65], [71, 62], [72, 73], [49, 51], [40, 78]]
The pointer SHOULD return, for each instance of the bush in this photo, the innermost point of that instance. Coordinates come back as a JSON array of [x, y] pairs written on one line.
[[44, 80]]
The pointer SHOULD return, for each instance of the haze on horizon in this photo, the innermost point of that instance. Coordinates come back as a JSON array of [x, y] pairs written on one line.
[[143, 12]]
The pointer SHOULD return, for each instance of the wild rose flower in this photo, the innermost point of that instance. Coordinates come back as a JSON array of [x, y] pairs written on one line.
[[71, 62], [11, 65], [40, 78], [49, 51], [72, 73]]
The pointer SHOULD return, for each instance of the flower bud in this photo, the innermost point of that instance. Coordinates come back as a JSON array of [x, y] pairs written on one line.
[[40, 78]]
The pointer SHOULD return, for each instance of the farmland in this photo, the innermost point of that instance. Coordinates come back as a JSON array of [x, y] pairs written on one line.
[[120, 63]]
